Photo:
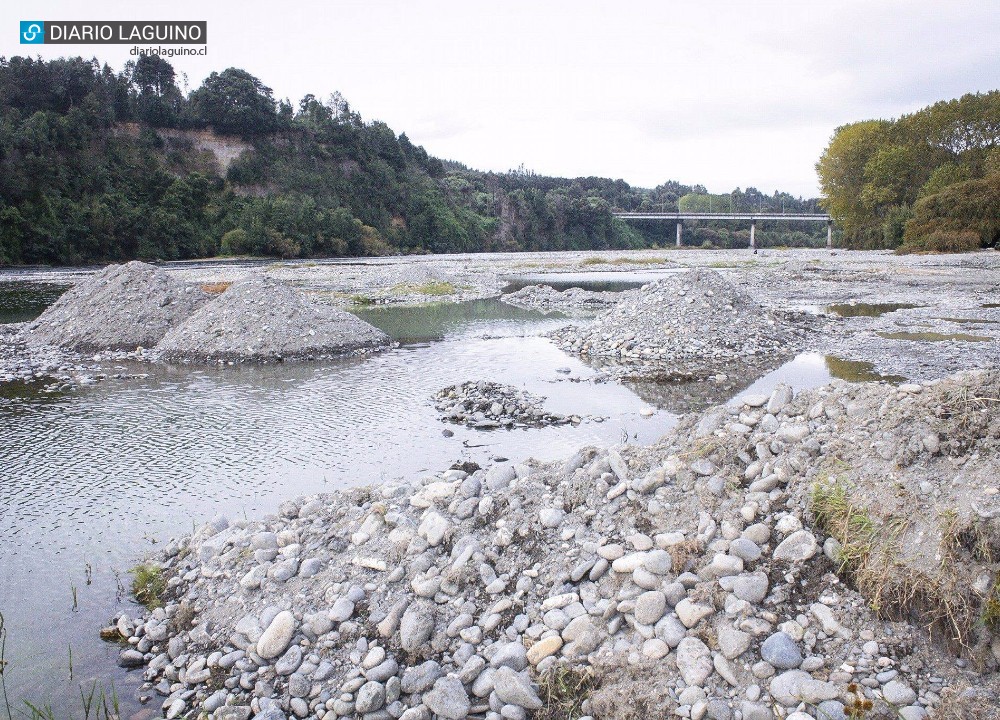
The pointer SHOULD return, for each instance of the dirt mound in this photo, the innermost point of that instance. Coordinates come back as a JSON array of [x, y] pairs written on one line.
[[120, 308], [695, 318], [259, 320]]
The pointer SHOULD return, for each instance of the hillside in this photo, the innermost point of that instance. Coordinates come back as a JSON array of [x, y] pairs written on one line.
[[98, 165]]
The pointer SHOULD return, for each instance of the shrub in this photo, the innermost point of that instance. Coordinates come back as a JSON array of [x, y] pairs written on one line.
[[941, 241]]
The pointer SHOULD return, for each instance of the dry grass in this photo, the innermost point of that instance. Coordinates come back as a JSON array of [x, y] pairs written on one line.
[[216, 288], [562, 691], [870, 559]]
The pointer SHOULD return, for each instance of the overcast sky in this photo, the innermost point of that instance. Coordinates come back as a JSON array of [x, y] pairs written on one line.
[[726, 94]]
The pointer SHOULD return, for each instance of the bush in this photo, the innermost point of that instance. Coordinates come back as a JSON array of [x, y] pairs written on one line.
[[941, 241], [234, 242]]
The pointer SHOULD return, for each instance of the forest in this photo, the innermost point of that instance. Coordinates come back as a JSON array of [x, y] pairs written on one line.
[[926, 182], [98, 165]]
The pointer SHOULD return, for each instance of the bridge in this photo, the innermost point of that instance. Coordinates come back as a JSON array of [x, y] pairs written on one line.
[[752, 218]]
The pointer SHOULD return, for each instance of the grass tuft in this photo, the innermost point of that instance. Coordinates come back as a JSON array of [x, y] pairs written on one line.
[[148, 585], [562, 690]]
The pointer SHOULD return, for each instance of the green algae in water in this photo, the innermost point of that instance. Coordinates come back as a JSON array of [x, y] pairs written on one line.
[[867, 309], [933, 337], [857, 371]]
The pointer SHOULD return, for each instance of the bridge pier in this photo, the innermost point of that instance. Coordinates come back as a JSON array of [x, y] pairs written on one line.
[[679, 225], [829, 234], [753, 235]]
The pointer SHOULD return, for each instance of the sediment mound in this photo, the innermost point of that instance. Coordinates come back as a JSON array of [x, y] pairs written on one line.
[[486, 405], [122, 307], [547, 299], [697, 317], [259, 320], [731, 568]]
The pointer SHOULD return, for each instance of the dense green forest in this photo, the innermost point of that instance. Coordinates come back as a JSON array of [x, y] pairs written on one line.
[[929, 181], [98, 165]]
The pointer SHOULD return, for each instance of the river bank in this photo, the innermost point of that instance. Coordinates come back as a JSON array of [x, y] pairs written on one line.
[[828, 292], [728, 570]]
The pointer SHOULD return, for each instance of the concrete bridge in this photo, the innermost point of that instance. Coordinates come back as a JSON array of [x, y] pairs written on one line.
[[752, 218]]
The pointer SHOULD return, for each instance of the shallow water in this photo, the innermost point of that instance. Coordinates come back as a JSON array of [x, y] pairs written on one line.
[[867, 309], [596, 280], [934, 337], [94, 479], [23, 301]]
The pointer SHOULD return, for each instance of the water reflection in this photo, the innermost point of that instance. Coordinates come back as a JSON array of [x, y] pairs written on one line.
[[24, 301]]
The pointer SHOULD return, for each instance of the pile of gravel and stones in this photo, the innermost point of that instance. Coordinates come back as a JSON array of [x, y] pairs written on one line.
[[570, 300], [690, 320], [138, 311], [262, 320], [122, 307], [487, 405], [687, 579]]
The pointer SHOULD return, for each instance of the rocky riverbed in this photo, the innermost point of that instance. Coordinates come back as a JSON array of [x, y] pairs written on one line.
[[830, 554], [953, 292]]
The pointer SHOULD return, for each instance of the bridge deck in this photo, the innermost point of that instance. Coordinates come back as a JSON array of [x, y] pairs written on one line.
[[803, 217]]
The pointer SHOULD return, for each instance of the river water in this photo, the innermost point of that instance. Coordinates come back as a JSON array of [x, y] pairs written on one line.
[[95, 479]]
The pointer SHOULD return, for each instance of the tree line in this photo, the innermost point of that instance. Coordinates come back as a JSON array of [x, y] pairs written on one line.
[[928, 181], [97, 165]]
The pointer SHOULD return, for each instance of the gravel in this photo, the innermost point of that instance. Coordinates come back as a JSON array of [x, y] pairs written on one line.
[[688, 321], [122, 307], [459, 594], [260, 320]]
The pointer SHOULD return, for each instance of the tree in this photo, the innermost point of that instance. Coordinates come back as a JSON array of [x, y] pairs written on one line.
[[234, 102]]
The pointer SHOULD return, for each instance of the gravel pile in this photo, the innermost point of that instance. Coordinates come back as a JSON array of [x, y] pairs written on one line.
[[122, 307], [487, 405], [697, 578], [260, 320], [691, 319], [572, 300]]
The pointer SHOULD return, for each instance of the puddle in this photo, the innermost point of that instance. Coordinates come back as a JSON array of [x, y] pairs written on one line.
[[970, 321], [867, 309], [426, 323], [857, 371], [933, 336], [811, 370], [595, 280]]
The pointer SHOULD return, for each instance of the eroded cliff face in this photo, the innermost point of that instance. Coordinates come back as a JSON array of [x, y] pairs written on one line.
[[225, 149]]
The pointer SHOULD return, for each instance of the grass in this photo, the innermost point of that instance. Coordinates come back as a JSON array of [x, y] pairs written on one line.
[[362, 300], [433, 288], [562, 691], [148, 585], [991, 608], [870, 560], [625, 261]]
